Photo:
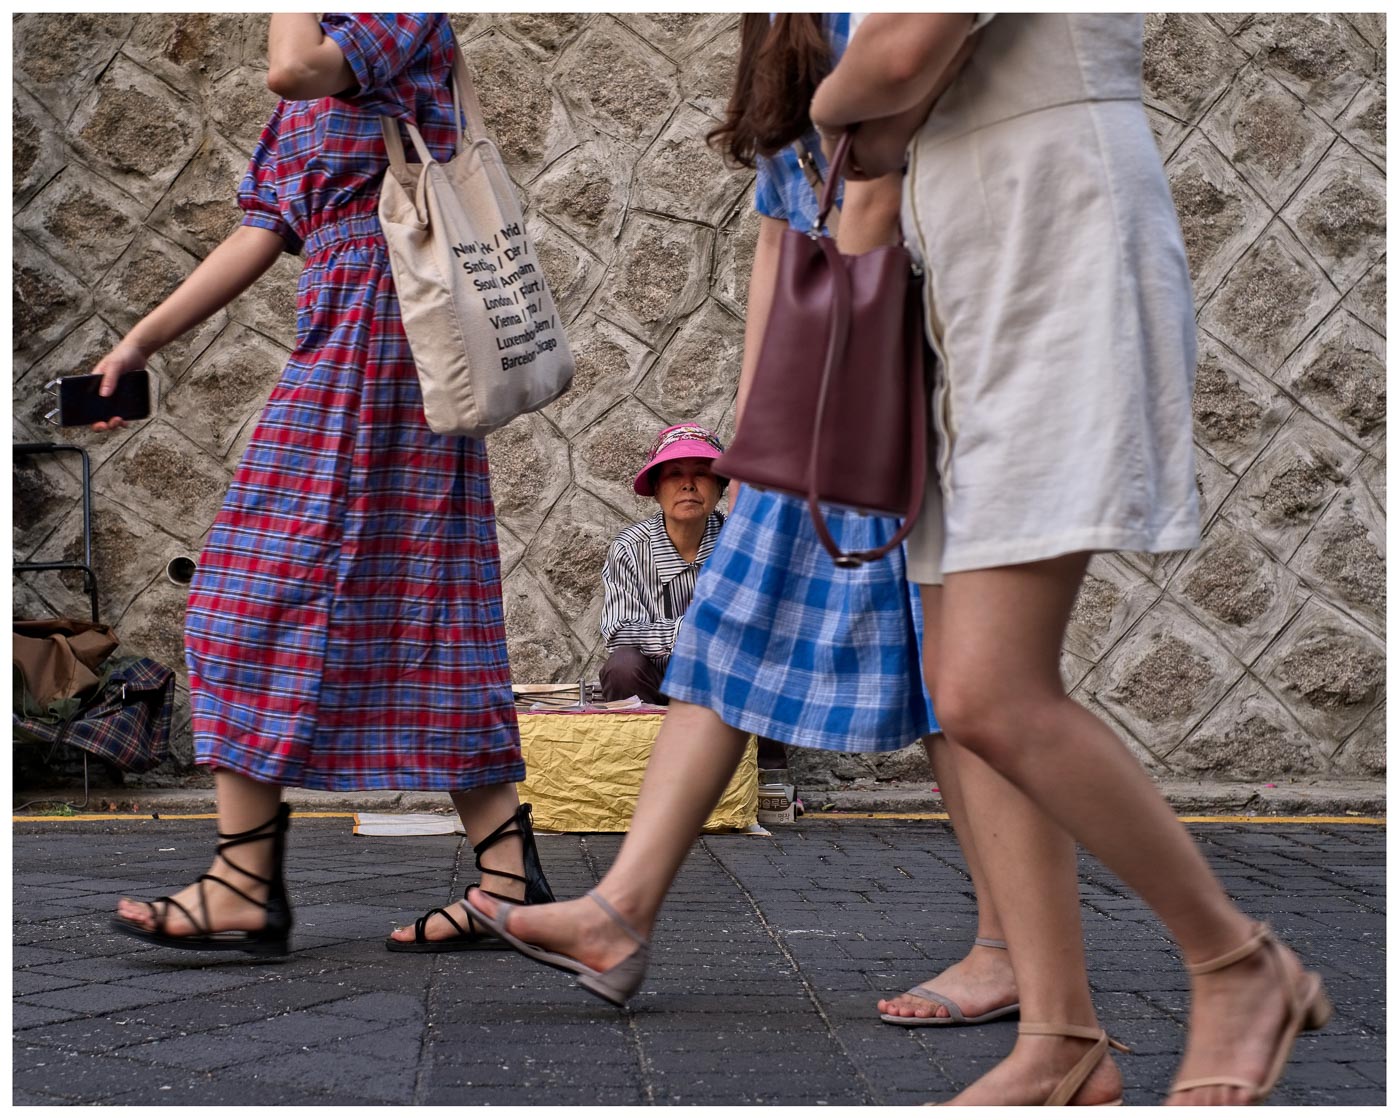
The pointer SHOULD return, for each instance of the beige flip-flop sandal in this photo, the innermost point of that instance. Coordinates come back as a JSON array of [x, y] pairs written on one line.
[[616, 985], [955, 1016]]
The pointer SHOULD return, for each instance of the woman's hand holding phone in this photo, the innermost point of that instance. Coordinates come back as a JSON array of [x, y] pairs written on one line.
[[122, 357]]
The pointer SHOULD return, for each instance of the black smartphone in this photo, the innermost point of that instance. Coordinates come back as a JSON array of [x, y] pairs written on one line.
[[80, 405]]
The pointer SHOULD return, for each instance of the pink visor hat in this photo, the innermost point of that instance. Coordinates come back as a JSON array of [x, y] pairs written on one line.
[[680, 441]]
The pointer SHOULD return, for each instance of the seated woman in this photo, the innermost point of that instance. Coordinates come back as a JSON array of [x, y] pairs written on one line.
[[652, 566]]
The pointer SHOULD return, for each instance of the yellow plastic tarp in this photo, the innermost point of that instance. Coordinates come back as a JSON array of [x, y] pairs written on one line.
[[583, 772]]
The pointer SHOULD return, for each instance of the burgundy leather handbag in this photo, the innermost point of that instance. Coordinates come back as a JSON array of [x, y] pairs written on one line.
[[838, 408]]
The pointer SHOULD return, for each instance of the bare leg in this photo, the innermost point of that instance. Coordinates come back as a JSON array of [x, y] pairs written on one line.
[[983, 980], [694, 757], [482, 811], [243, 805], [1000, 695]]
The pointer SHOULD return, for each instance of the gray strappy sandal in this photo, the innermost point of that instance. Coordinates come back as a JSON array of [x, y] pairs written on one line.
[[955, 1016], [616, 985]]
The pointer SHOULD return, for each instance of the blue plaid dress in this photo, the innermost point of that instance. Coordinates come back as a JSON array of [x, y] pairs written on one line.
[[780, 642], [345, 627]]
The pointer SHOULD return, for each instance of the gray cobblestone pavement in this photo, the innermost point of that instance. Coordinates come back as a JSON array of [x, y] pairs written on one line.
[[768, 960]]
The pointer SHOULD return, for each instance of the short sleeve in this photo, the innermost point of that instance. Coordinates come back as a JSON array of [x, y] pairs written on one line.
[[257, 194], [767, 198], [379, 46]]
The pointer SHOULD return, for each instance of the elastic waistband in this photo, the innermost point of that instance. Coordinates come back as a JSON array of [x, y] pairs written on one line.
[[342, 228]]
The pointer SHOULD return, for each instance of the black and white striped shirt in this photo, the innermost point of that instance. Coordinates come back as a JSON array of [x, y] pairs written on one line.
[[647, 586]]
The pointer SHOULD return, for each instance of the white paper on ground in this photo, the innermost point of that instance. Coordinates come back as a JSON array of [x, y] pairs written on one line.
[[405, 824]]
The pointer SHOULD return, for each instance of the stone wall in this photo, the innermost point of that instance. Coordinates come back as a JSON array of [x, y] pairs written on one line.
[[1258, 656]]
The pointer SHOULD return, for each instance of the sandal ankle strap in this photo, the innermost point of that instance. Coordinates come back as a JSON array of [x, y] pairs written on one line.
[[1070, 1030], [611, 912], [989, 942], [1261, 936], [507, 828]]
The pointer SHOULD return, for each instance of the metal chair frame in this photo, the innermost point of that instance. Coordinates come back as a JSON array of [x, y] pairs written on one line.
[[22, 450]]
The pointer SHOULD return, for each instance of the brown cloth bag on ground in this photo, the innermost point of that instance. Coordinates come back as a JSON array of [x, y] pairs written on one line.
[[57, 656]]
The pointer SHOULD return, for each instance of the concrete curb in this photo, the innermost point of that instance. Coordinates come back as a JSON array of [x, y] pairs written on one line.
[[1331, 798]]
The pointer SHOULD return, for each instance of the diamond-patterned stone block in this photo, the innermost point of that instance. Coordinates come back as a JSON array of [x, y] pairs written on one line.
[[225, 388], [583, 194], [608, 363], [1345, 556], [538, 640], [58, 55], [85, 222], [1340, 372], [1250, 735], [1220, 214], [681, 176], [36, 146], [136, 130], [1271, 301], [1236, 410], [617, 83], [1282, 495], [1236, 590], [610, 453], [1367, 299], [1326, 669], [1165, 676], [170, 479], [128, 553], [1363, 755], [567, 557], [522, 114], [191, 49], [662, 273], [1321, 58], [1339, 215], [1186, 62], [697, 375], [49, 302], [1112, 597], [529, 470], [1268, 135]]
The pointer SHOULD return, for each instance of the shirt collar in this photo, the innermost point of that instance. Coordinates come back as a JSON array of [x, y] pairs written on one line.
[[669, 563]]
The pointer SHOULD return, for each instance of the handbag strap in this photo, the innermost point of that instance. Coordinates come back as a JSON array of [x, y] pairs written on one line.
[[463, 98], [807, 162], [837, 338]]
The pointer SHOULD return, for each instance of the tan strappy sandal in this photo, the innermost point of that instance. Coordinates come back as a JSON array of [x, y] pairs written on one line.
[[1074, 1080], [955, 1016], [1309, 1009]]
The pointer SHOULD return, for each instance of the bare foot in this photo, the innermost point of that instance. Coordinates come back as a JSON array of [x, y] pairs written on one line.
[[220, 911], [578, 928], [1030, 1073], [1237, 1015], [981, 982]]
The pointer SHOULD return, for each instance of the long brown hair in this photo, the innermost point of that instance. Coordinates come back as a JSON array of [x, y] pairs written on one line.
[[781, 63]]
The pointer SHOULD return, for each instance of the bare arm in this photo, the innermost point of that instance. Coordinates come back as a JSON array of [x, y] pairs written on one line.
[[302, 63], [762, 282], [889, 67], [221, 277], [869, 214]]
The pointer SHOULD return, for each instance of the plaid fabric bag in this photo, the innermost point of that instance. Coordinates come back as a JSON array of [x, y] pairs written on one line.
[[126, 721]]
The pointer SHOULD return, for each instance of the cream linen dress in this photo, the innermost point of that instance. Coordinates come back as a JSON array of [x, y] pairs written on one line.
[[1058, 300]]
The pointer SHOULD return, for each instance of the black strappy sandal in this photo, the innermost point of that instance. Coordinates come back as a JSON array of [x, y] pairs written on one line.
[[473, 936], [272, 940]]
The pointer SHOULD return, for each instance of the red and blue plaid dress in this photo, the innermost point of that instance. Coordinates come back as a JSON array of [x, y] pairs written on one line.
[[345, 626]]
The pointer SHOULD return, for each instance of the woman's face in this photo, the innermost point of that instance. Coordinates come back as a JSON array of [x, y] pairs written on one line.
[[686, 490]]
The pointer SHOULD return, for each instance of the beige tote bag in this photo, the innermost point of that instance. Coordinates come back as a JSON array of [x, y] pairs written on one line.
[[480, 320]]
